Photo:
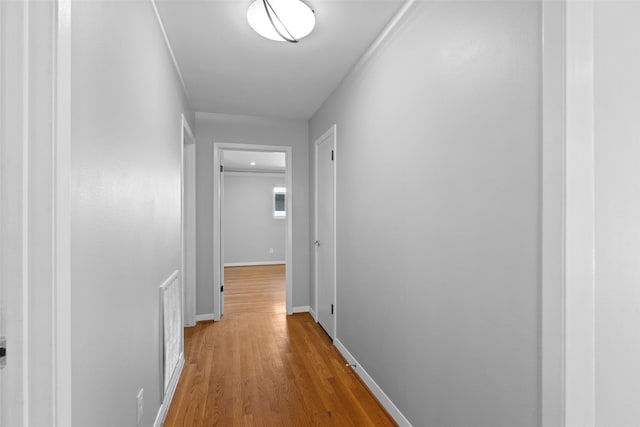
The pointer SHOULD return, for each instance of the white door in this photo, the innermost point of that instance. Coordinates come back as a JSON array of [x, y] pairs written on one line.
[[221, 184], [325, 235]]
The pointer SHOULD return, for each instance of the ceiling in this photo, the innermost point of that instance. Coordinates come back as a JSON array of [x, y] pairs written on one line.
[[228, 68], [264, 161]]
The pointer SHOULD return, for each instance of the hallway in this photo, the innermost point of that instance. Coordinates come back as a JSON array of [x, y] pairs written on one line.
[[259, 367]]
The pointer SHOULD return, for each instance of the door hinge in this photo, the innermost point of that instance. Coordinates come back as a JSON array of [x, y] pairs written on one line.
[[331, 154], [222, 288], [331, 308], [221, 168], [3, 352]]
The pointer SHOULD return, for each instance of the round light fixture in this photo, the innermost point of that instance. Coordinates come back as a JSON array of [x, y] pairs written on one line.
[[281, 20]]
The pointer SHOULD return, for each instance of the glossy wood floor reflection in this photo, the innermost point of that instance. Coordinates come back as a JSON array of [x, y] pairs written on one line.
[[260, 367]]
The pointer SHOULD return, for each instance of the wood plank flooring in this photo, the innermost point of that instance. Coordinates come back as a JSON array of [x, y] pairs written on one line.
[[259, 289], [260, 367]]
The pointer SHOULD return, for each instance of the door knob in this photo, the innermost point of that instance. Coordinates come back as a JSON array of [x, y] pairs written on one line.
[[316, 243]]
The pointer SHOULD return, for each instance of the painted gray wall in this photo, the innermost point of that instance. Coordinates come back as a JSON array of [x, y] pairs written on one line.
[[212, 128], [125, 207], [250, 229], [617, 212], [438, 171]]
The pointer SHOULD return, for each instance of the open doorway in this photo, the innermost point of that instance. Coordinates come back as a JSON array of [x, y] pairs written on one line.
[[253, 223], [188, 223], [253, 231]]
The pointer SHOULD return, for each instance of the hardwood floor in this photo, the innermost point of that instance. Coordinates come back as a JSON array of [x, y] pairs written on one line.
[[260, 367], [259, 289]]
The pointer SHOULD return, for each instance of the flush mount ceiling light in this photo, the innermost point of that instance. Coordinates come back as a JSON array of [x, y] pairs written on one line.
[[281, 20]]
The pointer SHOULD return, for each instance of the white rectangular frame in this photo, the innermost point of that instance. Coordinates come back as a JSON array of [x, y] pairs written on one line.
[[218, 237], [567, 215], [332, 130], [187, 221], [62, 358]]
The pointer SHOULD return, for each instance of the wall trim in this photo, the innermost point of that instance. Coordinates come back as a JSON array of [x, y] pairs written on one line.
[[382, 37], [166, 403], [301, 309], [312, 312], [253, 263], [204, 317], [26, 220], [373, 386], [173, 57], [552, 212], [579, 215], [187, 127], [61, 310], [373, 48]]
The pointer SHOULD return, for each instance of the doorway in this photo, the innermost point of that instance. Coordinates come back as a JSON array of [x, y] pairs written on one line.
[[239, 166], [188, 226], [325, 233]]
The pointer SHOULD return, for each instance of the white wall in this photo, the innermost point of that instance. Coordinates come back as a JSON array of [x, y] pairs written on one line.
[[250, 230], [212, 128], [617, 213], [125, 207], [438, 171]]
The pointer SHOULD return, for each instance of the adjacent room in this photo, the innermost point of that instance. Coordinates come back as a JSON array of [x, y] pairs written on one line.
[[254, 223]]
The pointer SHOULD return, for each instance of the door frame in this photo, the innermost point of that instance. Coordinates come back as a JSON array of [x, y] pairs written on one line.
[[14, 213], [332, 130], [62, 397], [40, 201], [187, 222], [218, 237]]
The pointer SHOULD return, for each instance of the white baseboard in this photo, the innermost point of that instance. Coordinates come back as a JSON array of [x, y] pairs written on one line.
[[313, 314], [375, 389], [166, 403], [301, 309], [202, 317], [249, 264]]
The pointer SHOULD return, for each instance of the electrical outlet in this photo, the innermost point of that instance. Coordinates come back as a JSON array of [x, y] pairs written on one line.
[[270, 250], [140, 401]]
